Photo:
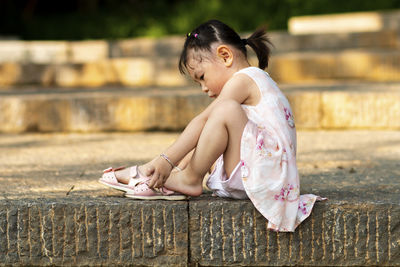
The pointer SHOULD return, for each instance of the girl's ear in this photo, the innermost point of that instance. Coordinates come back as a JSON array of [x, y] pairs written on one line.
[[225, 54]]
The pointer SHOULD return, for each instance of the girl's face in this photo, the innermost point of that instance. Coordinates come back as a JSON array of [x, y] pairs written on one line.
[[209, 71]]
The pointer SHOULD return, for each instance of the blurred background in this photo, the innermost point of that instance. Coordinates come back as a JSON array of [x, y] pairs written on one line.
[[108, 19]]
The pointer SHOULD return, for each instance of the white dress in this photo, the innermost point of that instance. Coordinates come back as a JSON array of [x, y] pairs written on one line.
[[267, 172]]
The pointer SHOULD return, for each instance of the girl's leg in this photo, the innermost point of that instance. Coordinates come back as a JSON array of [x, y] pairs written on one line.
[[185, 161], [221, 135]]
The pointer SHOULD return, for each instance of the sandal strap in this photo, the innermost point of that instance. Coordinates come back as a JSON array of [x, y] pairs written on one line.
[[111, 169]]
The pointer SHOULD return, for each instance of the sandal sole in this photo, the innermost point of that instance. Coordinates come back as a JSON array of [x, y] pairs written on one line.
[[173, 197]]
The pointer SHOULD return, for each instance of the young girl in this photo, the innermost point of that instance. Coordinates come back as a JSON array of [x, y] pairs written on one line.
[[247, 131]]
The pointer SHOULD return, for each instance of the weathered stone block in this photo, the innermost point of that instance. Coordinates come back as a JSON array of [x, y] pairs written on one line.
[[47, 52], [352, 22], [356, 65], [10, 73], [147, 47], [167, 73], [134, 72], [306, 107], [67, 75], [87, 51], [227, 232], [360, 110], [65, 232], [13, 51], [12, 114], [286, 42], [93, 74]]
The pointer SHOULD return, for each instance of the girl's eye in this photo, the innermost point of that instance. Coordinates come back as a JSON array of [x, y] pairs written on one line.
[[202, 77]]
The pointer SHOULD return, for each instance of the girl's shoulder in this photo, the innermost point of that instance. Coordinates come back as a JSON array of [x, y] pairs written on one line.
[[242, 83]]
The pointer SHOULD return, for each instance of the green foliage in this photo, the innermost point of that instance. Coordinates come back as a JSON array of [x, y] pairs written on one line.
[[124, 19]]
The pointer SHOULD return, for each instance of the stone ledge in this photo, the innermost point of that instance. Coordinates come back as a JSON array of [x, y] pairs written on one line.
[[201, 231], [93, 232], [337, 233], [364, 107]]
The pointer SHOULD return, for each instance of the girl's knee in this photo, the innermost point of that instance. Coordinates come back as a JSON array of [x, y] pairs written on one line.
[[227, 108]]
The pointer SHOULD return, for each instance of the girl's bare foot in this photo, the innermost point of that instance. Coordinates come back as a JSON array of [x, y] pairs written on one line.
[[178, 182]]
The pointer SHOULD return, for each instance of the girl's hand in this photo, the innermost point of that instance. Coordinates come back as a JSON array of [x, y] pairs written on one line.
[[160, 170]]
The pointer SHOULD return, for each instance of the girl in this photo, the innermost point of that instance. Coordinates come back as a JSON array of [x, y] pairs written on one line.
[[247, 131]]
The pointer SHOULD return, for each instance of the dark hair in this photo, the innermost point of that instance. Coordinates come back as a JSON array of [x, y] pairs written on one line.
[[212, 31]]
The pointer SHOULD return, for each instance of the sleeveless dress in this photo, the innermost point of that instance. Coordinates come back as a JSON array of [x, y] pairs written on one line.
[[267, 172]]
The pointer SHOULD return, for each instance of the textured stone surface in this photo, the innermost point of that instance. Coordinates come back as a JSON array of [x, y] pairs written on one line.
[[227, 232], [108, 231]]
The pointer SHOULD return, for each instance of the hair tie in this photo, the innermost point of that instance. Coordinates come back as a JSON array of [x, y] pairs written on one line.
[[245, 42], [195, 35]]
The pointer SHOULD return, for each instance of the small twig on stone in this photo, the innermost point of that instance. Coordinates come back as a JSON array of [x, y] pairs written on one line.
[[72, 188]]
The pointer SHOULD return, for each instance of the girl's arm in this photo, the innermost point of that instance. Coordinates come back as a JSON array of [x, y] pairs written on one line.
[[187, 140], [237, 89]]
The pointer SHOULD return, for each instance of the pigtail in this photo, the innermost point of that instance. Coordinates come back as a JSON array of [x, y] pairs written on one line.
[[261, 45]]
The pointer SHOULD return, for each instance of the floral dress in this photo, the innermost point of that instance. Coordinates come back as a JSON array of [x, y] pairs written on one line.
[[268, 169]]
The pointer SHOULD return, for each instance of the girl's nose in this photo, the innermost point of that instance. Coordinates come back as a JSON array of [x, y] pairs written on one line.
[[204, 88]]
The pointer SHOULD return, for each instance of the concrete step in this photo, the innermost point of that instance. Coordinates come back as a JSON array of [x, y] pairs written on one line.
[[345, 22], [329, 106], [304, 67], [57, 52], [54, 212]]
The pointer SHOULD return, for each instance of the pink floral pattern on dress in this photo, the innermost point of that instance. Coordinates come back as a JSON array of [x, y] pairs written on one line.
[[244, 171], [289, 117], [288, 193], [304, 206]]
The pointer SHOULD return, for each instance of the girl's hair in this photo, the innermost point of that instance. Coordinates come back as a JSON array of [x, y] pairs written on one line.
[[212, 31]]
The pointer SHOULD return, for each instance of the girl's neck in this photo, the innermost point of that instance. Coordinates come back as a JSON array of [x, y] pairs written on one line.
[[240, 65]]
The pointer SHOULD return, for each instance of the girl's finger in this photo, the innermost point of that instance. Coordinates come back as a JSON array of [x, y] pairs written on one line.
[[160, 182], [154, 179]]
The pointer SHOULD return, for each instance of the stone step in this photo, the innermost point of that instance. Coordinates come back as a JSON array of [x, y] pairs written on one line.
[[329, 106], [366, 65], [57, 52], [117, 71], [345, 22], [54, 212], [283, 42], [304, 67]]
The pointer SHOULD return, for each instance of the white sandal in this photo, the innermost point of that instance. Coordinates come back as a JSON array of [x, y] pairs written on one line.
[[110, 179]]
